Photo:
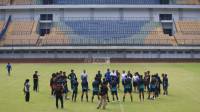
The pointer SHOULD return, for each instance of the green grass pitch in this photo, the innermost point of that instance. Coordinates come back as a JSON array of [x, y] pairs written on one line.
[[184, 90]]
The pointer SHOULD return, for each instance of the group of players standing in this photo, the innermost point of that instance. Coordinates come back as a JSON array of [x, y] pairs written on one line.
[[110, 81], [100, 85]]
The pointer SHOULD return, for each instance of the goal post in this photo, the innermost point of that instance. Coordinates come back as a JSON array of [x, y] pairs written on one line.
[[97, 60]]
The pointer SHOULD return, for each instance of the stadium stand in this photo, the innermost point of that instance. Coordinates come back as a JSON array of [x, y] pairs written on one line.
[[1, 25], [188, 26], [188, 2], [1, 28], [188, 32], [101, 32], [111, 31], [104, 28], [21, 2], [21, 33], [114, 29], [159, 38], [4, 2], [55, 37], [89, 32]]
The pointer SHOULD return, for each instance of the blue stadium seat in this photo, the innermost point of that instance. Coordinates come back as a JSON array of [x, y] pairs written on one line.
[[104, 28], [101, 31]]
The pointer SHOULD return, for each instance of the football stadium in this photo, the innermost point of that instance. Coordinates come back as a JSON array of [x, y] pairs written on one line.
[[99, 55]]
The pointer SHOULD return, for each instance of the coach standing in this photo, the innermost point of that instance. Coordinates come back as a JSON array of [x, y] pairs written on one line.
[[9, 68], [35, 81], [59, 94], [27, 90]]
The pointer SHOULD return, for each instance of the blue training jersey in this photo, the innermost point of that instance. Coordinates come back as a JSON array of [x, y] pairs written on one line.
[[8, 66], [107, 76], [84, 84]]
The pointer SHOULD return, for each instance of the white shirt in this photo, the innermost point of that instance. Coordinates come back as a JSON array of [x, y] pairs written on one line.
[[124, 75], [135, 78], [26, 87], [113, 74], [83, 75]]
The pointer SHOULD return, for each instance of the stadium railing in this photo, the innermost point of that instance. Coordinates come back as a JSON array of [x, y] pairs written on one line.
[[4, 2], [96, 2], [104, 18], [90, 42], [188, 42], [5, 27], [110, 42], [18, 42], [189, 18]]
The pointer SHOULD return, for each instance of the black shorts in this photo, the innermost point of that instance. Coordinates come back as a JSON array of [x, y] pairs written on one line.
[[141, 90], [114, 92], [95, 92], [134, 84], [165, 88], [152, 89], [84, 90], [118, 81], [127, 90], [75, 92], [146, 84]]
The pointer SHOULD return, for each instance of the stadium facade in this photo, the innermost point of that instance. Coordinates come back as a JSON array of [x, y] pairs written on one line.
[[114, 29]]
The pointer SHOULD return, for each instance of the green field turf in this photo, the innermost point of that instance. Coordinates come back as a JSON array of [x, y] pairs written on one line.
[[184, 90]]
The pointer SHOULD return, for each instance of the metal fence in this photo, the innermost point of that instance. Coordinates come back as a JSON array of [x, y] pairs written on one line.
[[96, 2], [99, 42]]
